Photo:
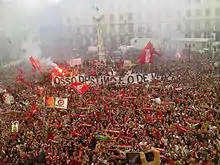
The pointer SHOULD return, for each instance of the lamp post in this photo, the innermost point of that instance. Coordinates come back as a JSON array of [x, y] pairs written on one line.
[[98, 20], [190, 47]]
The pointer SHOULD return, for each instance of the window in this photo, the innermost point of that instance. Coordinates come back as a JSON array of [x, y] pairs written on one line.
[[130, 28], [188, 13], [207, 24], [121, 17], [217, 25], [187, 35], [122, 28], [178, 26], [130, 16], [197, 26], [207, 12], [189, 1], [103, 17], [198, 1], [140, 29], [188, 26], [198, 13], [197, 35], [112, 28], [112, 17], [217, 12]]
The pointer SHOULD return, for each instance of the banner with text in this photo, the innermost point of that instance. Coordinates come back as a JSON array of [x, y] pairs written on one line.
[[74, 62], [128, 79]]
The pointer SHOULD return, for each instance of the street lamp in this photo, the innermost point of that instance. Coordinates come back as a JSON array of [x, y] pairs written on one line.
[[98, 19], [189, 46]]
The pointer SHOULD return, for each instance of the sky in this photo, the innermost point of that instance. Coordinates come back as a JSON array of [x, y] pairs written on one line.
[[21, 19], [17, 22]]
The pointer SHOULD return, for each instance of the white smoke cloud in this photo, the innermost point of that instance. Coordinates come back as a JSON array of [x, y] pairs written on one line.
[[31, 47], [48, 63]]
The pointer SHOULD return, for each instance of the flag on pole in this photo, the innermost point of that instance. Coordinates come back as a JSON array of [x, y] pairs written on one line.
[[35, 64], [61, 103], [49, 102], [80, 87], [147, 54]]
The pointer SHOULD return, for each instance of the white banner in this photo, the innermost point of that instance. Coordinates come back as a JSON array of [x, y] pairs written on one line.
[[74, 62], [61, 102], [128, 79], [14, 126], [8, 98]]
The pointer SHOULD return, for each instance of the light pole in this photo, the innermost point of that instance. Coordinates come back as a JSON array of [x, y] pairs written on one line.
[[190, 47], [98, 20]]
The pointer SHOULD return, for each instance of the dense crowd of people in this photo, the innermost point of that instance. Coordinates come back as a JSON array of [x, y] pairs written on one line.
[[178, 114]]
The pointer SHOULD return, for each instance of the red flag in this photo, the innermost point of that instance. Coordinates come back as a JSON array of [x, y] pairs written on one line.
[[167, 103], [93, 73], [182, 128], [74, 133], [147, 54], [120, 64], [78, 115], [96, 63], [33, 110], [80, 87], [35, 64], [126, 137], [50, 135], [20, 76], [121, 94]]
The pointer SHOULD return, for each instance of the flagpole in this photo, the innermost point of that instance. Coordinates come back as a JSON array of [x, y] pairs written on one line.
[[98, 19], [142, 68]]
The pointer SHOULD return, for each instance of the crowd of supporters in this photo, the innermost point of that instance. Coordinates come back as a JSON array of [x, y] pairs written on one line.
[[178, 114]]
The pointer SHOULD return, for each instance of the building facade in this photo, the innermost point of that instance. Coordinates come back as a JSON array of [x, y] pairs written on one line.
[[121, 20], [71, 24], [125, 19], [201, 18]]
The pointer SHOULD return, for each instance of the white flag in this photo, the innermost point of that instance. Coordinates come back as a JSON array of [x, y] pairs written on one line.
[[76, 61], [148, 56], [61, 102]]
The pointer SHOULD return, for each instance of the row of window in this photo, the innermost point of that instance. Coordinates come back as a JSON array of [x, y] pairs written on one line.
[[199, 1], [198, 12], [189, 13], [206, 25], [141, 29], [120, 17], [197, 35], [140, 16], [121, 28]]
